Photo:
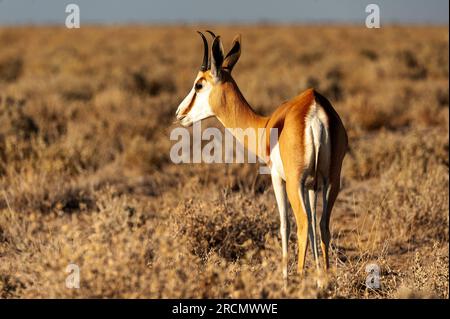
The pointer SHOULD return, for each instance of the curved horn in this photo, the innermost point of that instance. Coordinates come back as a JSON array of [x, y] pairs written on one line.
[[213, 36], [212, 33], [205, 62]]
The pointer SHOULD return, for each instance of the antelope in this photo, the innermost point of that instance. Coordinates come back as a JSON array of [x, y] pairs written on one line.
[[306, 158]]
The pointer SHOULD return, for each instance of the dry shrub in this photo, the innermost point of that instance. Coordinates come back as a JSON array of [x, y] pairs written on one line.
[[144, 156], [54, 193], [413, 69], [224, 227], [430, 278], [17, 129], [77, 92], [10, 68], [372, 155], [14, 121], [140, 82]]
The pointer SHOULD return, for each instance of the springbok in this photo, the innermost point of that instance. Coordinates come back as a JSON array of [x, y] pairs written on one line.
[[311, 145]]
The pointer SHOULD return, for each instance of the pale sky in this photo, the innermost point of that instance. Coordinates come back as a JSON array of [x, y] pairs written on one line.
[[225, 11]]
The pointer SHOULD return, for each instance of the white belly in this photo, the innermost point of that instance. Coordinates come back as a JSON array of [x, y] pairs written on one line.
[[277, 164]]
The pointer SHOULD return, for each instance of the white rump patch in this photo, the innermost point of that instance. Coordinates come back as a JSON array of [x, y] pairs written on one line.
[[317, 144]]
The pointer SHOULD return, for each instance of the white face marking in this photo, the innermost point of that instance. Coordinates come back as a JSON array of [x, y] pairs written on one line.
[[200, 108]]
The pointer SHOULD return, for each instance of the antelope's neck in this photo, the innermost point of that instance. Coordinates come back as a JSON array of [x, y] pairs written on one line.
[[243, 122]]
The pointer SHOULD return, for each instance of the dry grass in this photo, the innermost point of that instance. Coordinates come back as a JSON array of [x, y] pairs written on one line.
[[85, 175]]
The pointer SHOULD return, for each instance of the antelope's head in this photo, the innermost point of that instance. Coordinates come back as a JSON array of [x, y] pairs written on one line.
[[213, 80]]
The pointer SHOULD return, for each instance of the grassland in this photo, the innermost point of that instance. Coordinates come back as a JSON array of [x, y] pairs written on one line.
[[85, 174]]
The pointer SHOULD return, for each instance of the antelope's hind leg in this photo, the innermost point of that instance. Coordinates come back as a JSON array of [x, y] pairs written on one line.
[[311, 209], [279, 188], [292, 187], [330, 193]]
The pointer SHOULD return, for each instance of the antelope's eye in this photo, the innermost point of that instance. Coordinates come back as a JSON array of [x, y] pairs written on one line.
[[198, 86]]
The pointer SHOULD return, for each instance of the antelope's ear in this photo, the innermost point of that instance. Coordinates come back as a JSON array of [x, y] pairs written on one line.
[[216, 58], [234, 54]]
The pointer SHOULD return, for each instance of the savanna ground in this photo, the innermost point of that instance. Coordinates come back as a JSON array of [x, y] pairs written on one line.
[[86, 178]]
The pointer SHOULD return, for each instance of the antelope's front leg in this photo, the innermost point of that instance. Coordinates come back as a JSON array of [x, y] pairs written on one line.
[[279, 188]]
